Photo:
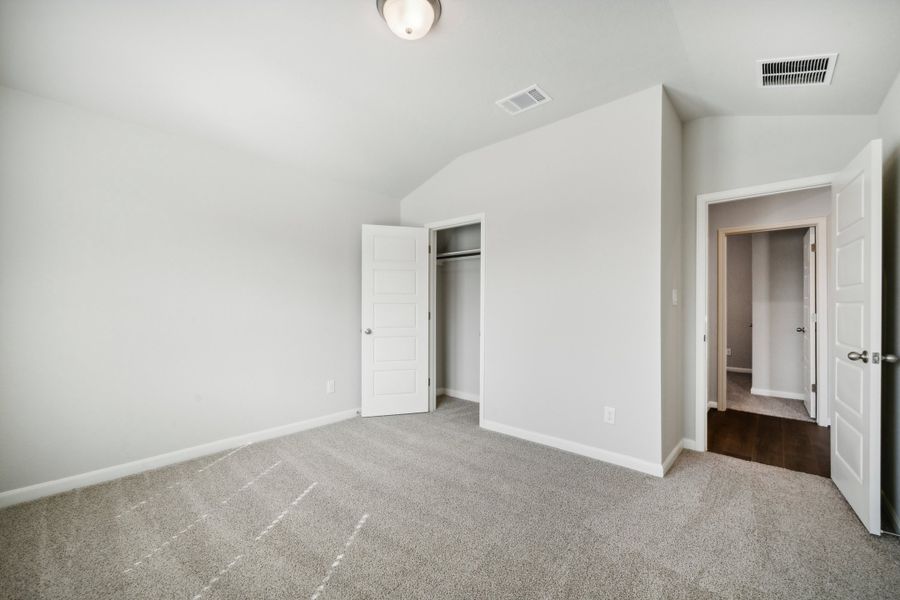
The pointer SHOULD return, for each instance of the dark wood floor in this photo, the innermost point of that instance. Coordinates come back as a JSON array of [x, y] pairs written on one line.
[[788, 443]]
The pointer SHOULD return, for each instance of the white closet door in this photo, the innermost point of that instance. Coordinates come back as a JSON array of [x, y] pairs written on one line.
[[394, 320]]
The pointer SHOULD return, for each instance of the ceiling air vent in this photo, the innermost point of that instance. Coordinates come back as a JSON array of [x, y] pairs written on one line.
[[527, 99], [799, 70]]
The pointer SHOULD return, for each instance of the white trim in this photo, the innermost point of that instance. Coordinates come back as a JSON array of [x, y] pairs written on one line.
[[711, 405], [891, 512], [432, 229], [458, 394], [622, 460], [688, 444], [777, 394], [670, 459], [768, 189], [49, 488], [738, 370], [701, 299]]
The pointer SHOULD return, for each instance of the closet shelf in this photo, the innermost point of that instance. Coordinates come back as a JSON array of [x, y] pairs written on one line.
[[459, 254]]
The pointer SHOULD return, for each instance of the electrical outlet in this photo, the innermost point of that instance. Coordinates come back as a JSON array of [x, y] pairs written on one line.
[[674, 297], [329, 386], [727, 351], [609, 415]]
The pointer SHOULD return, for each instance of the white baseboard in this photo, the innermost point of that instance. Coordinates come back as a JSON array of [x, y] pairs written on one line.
[[739, 369], [49, 488], [891, 511], [458, 394], [667, 464], [777, 394], [712, 405], [689, 444], [622, 460]]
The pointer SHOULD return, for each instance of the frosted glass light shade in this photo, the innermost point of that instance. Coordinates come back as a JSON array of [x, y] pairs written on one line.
[[410, 19]]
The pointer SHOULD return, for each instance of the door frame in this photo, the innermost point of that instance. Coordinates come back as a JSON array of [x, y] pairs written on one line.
[[820, 224], [433, 228], [701, 347]]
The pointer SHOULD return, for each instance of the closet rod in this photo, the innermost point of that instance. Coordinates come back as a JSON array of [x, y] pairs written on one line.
[[459, 254]]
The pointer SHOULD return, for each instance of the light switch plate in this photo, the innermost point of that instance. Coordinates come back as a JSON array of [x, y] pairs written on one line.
[[329, 386], [609, 415]]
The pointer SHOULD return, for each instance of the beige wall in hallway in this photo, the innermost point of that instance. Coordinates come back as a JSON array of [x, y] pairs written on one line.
[[740, 302], [777, 273]]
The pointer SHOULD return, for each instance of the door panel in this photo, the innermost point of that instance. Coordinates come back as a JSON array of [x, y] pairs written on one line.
[[855, 307], [394, 320]]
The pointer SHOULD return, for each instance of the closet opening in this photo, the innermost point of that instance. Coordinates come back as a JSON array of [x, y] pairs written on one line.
[[456, 369]]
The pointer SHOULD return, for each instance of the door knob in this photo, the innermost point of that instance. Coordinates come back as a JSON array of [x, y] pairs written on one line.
[[889, 358], [801, 330], [367, 331], [863, 356]]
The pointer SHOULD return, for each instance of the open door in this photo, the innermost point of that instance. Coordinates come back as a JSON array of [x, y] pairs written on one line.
[[809, 321], [855, 307], [394, 320]]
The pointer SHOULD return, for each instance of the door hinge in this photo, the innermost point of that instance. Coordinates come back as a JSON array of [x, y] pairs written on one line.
[[429, 248], [812, 247], [429, 315], [429, 382], [813, 388]]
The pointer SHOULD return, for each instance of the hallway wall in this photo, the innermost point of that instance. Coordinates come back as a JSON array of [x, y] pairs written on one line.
[[740, 302]]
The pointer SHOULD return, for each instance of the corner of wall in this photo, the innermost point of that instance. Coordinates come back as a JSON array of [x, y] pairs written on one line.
[[671, 280]]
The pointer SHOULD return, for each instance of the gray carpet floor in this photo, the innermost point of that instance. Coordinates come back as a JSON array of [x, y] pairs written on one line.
[[430, 506], [740, 398]]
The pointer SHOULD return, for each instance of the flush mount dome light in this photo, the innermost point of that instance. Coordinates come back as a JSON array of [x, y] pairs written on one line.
[[410, 19]]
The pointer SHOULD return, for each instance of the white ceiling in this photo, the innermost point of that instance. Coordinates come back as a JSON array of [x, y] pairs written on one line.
[[325, 86]]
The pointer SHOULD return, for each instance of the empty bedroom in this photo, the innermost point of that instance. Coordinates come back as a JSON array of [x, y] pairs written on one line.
[[446, 299]]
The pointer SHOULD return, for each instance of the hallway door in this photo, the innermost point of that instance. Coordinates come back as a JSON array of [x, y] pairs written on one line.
[[855, 307]]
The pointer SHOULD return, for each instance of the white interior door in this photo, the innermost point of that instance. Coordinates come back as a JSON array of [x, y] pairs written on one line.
[[809, 321], [394, 320], [855, 307]]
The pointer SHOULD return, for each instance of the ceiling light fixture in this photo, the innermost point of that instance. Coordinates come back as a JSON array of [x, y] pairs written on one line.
[[410, 19]]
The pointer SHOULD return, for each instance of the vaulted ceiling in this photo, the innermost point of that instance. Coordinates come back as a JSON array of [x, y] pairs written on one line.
[[325, 85]]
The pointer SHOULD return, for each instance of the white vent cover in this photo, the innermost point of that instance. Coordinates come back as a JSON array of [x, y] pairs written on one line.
[[797, 70], [530, 97]]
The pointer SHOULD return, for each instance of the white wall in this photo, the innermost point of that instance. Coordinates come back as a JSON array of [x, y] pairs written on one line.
[[458, 324], [572, 290], [723, 153], [158, 293], [777, 312], [740, 302], [769, 210], [670, 279], [889, 130]]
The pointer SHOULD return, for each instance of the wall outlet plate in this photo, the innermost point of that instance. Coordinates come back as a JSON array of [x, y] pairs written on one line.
[[609, 415], [329, 386]]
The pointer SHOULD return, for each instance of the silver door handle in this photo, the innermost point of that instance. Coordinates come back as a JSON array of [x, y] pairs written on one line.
[[889, 358], [863, 356], [367, 331], [801, 330]]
